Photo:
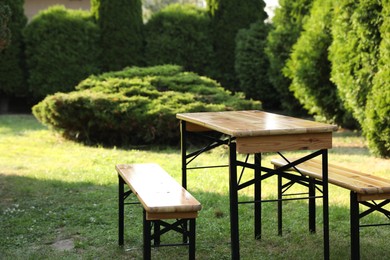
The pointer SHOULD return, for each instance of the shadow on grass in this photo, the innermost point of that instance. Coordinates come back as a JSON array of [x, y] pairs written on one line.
[[37, 214]]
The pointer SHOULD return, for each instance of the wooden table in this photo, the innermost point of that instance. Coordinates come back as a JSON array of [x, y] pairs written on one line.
[[255, 132]]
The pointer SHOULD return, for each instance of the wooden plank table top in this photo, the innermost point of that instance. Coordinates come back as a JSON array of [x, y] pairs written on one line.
[[259, 131], [254, 123]]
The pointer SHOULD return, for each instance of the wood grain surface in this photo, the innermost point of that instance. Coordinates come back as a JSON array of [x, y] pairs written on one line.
[[368, 186], [160, 194], [253, 123]]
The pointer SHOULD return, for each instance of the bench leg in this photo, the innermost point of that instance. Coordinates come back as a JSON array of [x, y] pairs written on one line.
[[146, 237], [120, 210], [157, 235], [257, 196], [192, 239], [354, 219]]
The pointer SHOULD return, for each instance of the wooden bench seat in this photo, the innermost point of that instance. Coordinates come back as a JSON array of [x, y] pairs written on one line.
[[363, 189], [162, 198]]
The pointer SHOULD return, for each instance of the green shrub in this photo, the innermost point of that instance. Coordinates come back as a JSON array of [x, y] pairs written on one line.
[[121, 27], [12, 70], [227, 18], [252, 65], [62, 49], [286, 28], [179, 34], [359, 55], [309, 68], [135, 106], [377, 123], [355, 50], [5, 33]]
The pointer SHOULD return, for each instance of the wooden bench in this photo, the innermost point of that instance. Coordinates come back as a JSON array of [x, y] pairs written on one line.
[[365, 189], [162, 198]]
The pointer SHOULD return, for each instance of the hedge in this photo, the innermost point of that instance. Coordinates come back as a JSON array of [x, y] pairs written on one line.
[[12, 70], [61, 48], [179, 34], [135, 106]]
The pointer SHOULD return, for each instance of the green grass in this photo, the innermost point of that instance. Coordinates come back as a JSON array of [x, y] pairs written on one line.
[[53, 190]]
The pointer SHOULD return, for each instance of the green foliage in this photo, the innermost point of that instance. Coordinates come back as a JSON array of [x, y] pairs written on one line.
[[377, 123], [359, 55], [121, 29], [227, 18], [355, 51], [309, 67], [62, 49], [5, 33], [134, 106], [56, 190], [150, 7], [12, 71], [287, 26], [252, 65], [179, 34]]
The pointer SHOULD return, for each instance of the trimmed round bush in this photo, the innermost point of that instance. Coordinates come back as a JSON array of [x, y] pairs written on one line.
[[61, 48], [135, 106]]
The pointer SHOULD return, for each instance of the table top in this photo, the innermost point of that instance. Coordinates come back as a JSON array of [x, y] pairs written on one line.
[[254, 123]]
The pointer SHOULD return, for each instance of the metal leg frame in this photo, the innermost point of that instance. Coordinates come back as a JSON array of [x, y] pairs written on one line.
[[187, 227], [122, 195], [311, 184], [308, 182], [179, 226], [235, 186], [356, 215]]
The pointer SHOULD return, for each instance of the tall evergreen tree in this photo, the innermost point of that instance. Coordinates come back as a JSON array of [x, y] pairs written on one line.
[[12, 72], [309, 67], [360, 58], [252, 65], [5, 34], [227, 17], [287, 26], [121, 26], [355, 51]]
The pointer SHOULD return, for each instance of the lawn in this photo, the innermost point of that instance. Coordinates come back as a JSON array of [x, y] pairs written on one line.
[[58, 200]]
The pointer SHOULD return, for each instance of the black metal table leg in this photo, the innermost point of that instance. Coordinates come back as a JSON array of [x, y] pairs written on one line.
[[354, 220], [280, 205], [183, 146], [325, 202], [257, 197], [120, 210], [192, 238], [233, 194]]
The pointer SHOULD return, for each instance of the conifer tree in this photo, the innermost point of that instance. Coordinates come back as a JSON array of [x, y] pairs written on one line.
[[121, 26], [287, 26], [12, 72], [227, 18]]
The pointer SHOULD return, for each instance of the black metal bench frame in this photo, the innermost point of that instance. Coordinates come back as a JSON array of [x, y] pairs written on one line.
[[355, 213], [152, 230]]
